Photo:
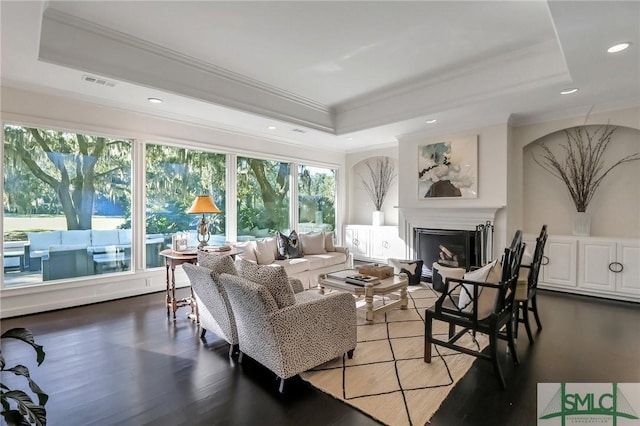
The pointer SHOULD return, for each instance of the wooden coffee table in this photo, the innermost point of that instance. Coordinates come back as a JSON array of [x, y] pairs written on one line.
[[394, 288]]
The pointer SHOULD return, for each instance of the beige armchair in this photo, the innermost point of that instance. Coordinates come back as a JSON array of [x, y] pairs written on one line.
[[295, 338]]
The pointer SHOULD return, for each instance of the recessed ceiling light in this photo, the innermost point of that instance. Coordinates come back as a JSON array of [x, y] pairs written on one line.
[[433, 120], [155, 100], [569, 91], [349, 138], [272, 127], [618, 47]]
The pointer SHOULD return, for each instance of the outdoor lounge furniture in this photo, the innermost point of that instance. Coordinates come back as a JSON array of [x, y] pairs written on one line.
[[66, 262], [95, 242], [15, 254]]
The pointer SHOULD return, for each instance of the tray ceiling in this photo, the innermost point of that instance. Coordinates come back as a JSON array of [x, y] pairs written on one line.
[[368, 71]]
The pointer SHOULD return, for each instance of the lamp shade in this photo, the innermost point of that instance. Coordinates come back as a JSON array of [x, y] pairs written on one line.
[[203, 204]]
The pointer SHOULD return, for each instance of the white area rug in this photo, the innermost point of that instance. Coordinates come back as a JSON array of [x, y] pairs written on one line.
[[387, 378]]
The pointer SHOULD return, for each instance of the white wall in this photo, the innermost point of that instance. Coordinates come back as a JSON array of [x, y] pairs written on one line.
[[514, 186], [44, 110], [492, 175], [615, 208]]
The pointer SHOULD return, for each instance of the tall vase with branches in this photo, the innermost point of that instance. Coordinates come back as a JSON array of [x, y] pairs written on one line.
[[377, 183], [583, 167]]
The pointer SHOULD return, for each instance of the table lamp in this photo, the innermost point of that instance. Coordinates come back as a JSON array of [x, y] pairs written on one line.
[[201, 205]]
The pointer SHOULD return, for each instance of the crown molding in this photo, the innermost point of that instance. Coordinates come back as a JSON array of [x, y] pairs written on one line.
[[449, 89], [110, 53]]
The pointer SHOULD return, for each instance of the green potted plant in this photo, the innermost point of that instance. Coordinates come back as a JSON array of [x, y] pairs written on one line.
[[17, 406]]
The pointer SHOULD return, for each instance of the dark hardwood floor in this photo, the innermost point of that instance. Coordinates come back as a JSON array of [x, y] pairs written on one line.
[[124, 363]]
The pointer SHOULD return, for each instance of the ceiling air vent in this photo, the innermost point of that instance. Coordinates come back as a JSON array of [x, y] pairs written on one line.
[[98, 80], [299, 130]]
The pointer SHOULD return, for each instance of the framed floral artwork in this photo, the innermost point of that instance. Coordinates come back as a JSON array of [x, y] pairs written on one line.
[[448, 169]]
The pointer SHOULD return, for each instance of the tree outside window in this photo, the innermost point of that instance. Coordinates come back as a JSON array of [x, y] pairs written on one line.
[[316, 198], [174, 177], [58, 184], [263, 197]]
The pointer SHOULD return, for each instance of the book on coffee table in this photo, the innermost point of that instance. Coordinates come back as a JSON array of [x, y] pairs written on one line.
[[353, 277]]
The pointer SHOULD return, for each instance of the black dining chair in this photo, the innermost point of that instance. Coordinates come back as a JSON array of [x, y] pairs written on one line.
[[484, 306], [527, 286]]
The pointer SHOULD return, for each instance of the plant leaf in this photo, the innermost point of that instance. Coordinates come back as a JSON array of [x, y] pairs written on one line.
[[26, 336], [36, 414], [14, 418], [21, 370]]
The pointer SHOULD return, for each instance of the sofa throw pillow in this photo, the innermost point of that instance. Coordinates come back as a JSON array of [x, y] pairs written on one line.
[[217, 263], [312, 243], [273, 277], [266, 251], [413, 269], [487, 299], [489, 273], [328, 241], [440, 274], [248, 251], [288, 246]]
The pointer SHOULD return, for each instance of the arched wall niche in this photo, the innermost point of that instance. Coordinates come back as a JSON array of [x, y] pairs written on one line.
[[361, 206], [615, 207], [528, 134]]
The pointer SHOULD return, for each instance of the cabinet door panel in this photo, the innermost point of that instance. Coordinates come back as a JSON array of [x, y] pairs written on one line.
[[593, 267], [628, 281], [386, 243], [561, 266], [357, 240]]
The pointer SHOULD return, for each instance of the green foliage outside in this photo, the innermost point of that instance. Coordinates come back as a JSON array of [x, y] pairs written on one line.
[[50, 171], [263, 196], [317, 191], [55, 172]]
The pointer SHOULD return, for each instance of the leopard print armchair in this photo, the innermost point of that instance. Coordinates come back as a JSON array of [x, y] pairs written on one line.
[[212, 302], [295, 338], [214, 310]]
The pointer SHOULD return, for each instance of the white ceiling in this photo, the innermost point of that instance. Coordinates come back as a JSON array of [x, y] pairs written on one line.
[[352, 75]]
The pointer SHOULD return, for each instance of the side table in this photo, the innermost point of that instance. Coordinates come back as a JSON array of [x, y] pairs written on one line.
[[171, 260]]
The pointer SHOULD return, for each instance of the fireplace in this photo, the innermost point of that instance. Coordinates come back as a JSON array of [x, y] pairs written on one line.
[[452, 248], [455, 248]]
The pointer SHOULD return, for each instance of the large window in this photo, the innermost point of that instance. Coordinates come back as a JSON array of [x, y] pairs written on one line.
[[68, 202], [263, 197], [65, 199], [316, 199], [174, 177]]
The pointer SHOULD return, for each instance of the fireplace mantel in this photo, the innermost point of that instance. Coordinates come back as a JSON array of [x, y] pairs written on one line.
[[462, 218]]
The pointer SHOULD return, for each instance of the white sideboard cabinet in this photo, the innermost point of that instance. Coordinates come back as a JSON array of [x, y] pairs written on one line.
[[374, 243], [610, 266], [594, 266]]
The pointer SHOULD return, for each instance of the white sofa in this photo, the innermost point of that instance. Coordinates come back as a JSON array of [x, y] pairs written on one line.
[[306, 268]]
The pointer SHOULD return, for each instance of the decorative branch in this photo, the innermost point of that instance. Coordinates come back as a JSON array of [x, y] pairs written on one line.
[[582, 169], [381, 176]]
